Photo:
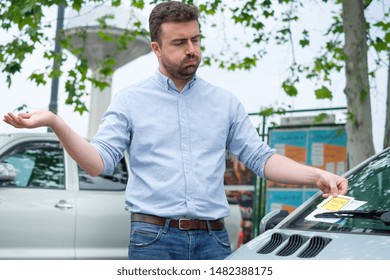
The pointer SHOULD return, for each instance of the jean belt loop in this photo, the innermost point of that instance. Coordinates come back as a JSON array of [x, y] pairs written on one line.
[[166, 226], [209, 227]]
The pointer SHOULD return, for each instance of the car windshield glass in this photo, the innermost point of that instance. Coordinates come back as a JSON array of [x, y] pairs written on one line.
[[371, 184]]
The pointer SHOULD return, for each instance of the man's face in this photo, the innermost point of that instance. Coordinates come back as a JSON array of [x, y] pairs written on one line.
[[179, 53]]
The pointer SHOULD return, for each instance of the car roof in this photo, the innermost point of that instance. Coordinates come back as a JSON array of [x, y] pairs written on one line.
[[16, 135]]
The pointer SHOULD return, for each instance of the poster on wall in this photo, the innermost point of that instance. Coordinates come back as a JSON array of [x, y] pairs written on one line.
[[320, 146]]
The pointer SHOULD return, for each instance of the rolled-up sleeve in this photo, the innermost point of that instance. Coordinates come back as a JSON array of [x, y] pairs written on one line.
[[245, 142], [114, 133]]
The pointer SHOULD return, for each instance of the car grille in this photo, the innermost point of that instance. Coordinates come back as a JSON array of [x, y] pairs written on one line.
[[276, 240], [316, 245], [295, 242]]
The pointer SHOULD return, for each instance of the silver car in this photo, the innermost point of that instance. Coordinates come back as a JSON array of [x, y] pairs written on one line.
[[310, 233], [51, 209]]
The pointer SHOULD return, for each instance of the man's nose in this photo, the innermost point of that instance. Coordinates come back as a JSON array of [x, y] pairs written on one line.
[[190, 48]]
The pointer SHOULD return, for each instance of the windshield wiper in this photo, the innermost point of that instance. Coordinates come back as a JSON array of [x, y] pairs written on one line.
[[382, 215]]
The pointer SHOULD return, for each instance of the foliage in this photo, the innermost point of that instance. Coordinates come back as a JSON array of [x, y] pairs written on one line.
[[27, 17], [253, 16]]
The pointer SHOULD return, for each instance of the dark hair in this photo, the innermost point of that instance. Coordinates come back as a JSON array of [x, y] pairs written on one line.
[[172, 11]]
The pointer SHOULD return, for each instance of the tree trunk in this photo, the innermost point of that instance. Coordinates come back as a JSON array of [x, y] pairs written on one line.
[[359, 125], [386, 141]]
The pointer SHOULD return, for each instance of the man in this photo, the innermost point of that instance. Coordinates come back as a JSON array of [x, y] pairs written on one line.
[[176, 127]]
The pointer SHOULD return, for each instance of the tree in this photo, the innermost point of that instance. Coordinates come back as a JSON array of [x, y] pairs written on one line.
[[28, 18], [359, 126], [348, 40], [386, 141]]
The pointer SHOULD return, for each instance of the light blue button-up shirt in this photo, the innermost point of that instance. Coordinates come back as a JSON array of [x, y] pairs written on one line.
[[177, 143]]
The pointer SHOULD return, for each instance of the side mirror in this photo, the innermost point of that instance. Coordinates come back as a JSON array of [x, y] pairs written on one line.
[[7, 171], [270, 220]]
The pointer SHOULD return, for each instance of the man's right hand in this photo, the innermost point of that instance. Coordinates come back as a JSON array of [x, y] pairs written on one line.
[[31, 120], [84, 153]]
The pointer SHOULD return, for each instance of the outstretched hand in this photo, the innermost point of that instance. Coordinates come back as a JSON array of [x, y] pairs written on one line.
[[332, 185], [30, 120]]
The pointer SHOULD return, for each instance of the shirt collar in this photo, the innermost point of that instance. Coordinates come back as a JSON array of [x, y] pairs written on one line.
[[168, 84]]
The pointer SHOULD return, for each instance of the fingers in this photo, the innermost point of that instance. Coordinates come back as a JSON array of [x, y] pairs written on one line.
[[328, 190], [333, 185], [340, 189], [335, 190], [10, 119], [16, 121], [340, 186], [343, 186], [25, 115]]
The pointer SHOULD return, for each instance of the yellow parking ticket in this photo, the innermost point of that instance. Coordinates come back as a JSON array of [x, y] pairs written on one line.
[[335, 203]]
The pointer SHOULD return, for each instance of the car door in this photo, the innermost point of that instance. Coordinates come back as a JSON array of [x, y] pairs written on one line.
[[37, 211], [103, 221]]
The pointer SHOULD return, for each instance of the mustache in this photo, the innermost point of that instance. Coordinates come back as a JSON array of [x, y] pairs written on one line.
[[190, 57]]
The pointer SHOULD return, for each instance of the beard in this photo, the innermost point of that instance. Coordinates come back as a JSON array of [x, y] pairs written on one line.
[[185, 70]]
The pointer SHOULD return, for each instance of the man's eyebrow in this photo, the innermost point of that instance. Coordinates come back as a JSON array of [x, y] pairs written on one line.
[[196, 37], [184, 39]]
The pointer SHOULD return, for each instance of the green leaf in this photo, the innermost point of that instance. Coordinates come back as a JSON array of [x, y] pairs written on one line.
[[320, 118], [351, 118], [38, 78], [363, 95], [105, 36], [77, 4], [140, 4], [266, 112], [289, 88], [380, 45], [13, 67], [383, 25], [323, 93], [304, 42], [20, 108], [115, 3]]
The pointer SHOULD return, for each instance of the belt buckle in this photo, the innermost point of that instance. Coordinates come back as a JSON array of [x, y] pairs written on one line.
[[183, 228]]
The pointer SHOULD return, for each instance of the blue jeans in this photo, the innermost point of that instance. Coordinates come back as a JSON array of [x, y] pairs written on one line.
[[153, 242]]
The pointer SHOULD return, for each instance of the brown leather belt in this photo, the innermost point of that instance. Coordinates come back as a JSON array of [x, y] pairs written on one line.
[[182, 224]]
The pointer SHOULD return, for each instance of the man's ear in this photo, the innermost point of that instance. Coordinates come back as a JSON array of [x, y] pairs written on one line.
[[155, 48]]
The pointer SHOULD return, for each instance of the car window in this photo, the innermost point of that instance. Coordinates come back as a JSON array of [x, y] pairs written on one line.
[[114, 182], [371, 184], [37, 165]]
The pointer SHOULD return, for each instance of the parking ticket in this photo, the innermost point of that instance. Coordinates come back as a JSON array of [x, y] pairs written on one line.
[[341, 202], [335, 203]]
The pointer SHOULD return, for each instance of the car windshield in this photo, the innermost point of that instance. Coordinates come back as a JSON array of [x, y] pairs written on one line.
[[371, 184]]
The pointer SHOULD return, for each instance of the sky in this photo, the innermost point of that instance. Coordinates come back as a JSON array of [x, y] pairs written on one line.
[[258, 88]]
